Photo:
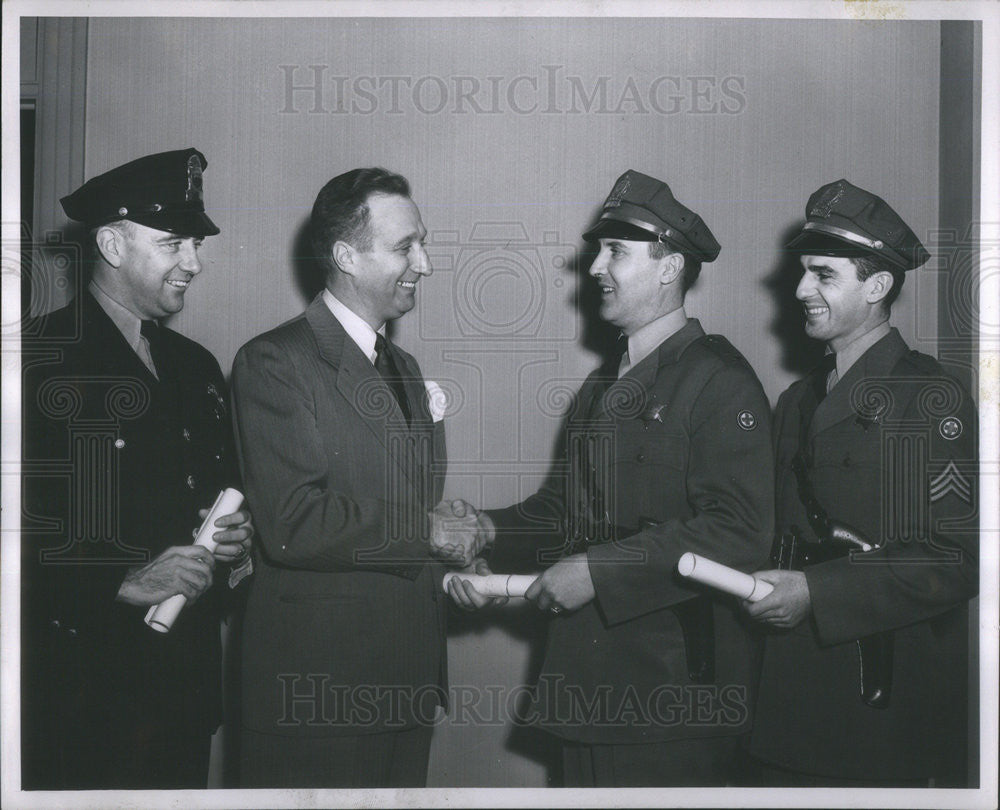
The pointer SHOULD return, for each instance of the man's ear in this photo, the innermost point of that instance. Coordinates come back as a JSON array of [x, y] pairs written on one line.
[[671, 267], [110, 244], [344, 256], [878, 285]]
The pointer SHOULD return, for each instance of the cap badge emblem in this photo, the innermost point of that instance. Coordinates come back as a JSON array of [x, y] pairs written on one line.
[[619, 191], [827, 201], [193, 191]]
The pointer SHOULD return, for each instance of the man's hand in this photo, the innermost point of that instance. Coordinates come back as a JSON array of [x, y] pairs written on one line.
[[458, 533], [565, 586], [234, 538], [180, 569], [787, 605], [465, 595]]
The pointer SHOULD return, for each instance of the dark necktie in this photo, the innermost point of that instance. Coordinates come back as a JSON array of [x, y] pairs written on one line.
[[154, 337], [826, 365], [385, 364]]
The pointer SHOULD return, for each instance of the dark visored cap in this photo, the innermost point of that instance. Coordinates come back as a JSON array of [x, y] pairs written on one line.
[[643, 209], [162, 191], [844, 220]]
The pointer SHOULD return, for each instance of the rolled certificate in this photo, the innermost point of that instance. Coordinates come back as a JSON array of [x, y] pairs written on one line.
[[723, 577], [495, 584], [161, 617]]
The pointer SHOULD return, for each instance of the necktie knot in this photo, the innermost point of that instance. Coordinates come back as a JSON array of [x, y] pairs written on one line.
[[826, 366]]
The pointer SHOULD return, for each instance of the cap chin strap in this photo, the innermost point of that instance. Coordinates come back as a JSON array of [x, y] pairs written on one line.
[[850, 236], [660, 233]]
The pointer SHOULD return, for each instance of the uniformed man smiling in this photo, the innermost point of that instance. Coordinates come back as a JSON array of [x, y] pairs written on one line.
[[134, 415], [864, 677], [644, 682]]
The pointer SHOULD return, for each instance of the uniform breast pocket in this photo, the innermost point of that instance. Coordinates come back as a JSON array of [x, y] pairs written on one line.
[[853, 453], [649, 470]]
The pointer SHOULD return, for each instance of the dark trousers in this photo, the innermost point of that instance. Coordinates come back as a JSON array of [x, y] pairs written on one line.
[[394, 759], [99, 758], [704, 762]]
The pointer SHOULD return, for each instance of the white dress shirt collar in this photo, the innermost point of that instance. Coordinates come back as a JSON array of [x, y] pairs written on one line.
[[357, 328]]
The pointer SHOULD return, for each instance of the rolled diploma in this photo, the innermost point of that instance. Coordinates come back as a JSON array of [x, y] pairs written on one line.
[[723, 577], [495, 584], [161, 617]]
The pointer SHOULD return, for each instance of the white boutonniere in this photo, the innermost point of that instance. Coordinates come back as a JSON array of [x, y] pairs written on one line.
[[437, 400]]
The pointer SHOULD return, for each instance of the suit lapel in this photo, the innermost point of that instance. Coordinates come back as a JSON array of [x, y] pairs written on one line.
[[356, 378], [364, 389]]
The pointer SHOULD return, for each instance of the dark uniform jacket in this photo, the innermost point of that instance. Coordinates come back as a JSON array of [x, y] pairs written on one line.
[[345, 623], [686, 446], [891, 451], [117, 465]]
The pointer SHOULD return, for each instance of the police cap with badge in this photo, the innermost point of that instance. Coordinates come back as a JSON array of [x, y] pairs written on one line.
[[641, 208], [161, 191], [844, 220]]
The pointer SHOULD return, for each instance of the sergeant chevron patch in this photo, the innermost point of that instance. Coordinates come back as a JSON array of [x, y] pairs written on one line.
[[951, 480]]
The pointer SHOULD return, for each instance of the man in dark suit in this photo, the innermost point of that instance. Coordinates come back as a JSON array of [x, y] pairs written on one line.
[[344, 663], [864, 678], [646, 680], [126, 438]]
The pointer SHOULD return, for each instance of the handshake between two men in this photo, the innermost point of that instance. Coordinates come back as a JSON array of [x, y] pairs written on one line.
[[459, 535]]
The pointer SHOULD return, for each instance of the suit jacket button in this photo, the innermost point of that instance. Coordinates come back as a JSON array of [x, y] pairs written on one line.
[[119, 443], [55, 623], [640, 457], [191, 481], [72, 631]]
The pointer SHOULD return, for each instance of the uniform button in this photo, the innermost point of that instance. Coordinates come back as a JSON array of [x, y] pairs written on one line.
[[190, 481], [186, 434], [119, 443], [640, 457], [56, 624], [72, 631], [218, 457]]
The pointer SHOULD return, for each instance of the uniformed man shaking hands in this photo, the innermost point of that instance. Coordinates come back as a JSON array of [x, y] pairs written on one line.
[[127, 442], [645, 680]]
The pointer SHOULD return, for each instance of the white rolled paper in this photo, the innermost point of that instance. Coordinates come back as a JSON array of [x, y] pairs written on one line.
[[722, 577], [161, 617], [514, 585]]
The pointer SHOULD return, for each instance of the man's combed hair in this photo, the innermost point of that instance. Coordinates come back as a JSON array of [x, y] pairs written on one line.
[[867, 266], [341, 211], [692, 266]]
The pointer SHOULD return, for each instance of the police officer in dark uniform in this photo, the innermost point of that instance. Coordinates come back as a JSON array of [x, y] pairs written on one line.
[[864, 677], [127, 440], [646, 680]]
